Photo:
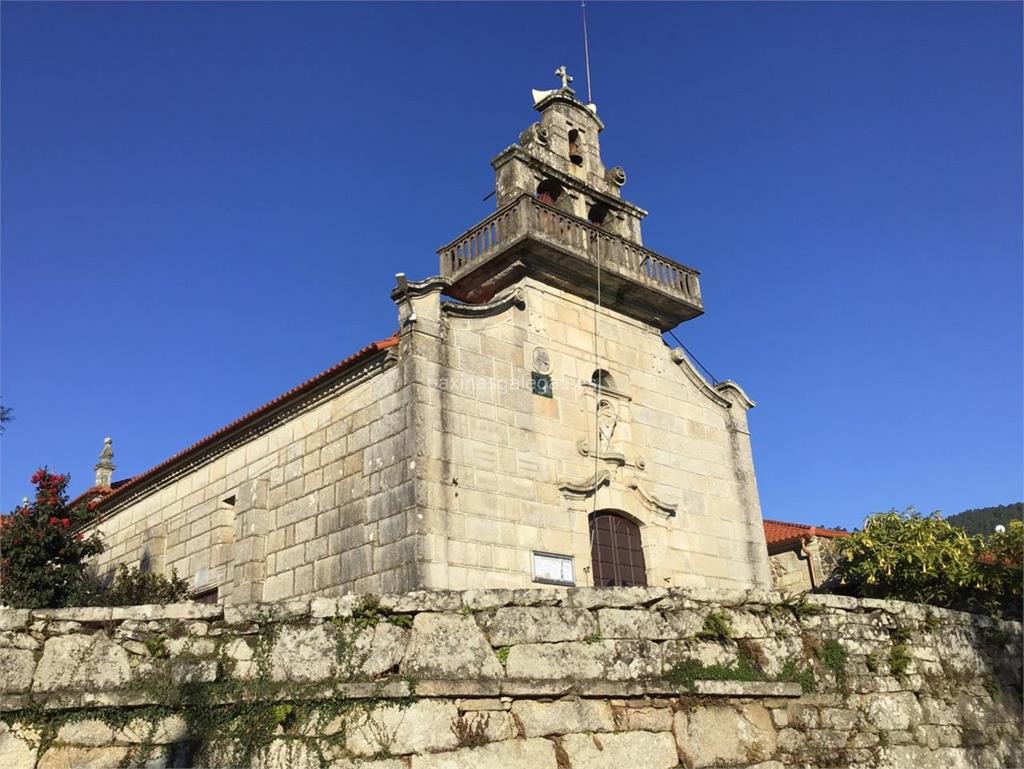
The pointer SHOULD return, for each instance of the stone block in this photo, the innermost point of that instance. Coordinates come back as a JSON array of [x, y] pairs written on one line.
[[423, 600], [536, 624], [539, 719], [613, 597], [14, 619], [163, 732], [66, 757], [637, 750], [634, 717], [16, 669], [303, 654], [84, 662], [321, 608], [723, 736], [575, 660], [421, 727], [893, 711], [510, 754], [17, 748], [377, 650], [75, 614], [90, 732], [479, 600], [747, 688], [449, 646]]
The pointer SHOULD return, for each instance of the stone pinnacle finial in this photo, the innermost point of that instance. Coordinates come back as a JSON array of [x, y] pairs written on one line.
[[566, 77], [105, 467]]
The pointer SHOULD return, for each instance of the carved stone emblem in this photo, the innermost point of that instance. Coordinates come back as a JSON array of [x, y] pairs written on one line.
[[541, 360]]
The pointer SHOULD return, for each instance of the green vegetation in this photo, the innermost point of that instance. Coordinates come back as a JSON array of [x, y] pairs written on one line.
[[132, 587], [716, 627], [899, 660], [801, 608], [983, 520], [44, 558], [45, 553], [593, 638], [233, 720], [834, 657], [744, 668], [900, 634], [369, 613], [925, 559], [502, 654]]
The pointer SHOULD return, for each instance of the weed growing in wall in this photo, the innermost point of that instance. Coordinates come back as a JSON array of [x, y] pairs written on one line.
[[716, 627], [744, 668], [834, 657]]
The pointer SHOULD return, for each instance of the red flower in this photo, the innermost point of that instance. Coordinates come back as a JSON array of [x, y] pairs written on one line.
[[65, 522], [38, 475], [53, 521]]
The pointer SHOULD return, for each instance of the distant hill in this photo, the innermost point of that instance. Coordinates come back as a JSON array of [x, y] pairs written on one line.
[[984, 520]]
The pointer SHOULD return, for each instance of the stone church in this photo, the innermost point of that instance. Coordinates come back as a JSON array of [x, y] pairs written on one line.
[[526, 425]]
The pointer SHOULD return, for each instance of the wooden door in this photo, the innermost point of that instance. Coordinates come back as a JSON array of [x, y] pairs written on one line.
[[616, 551]]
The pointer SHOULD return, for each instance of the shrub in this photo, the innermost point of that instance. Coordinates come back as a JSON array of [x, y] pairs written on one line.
[[44, 557], [133, 586], [43, 561], [910, 557]]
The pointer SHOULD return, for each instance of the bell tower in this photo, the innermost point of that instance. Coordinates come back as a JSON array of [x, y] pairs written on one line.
[[561, 218]]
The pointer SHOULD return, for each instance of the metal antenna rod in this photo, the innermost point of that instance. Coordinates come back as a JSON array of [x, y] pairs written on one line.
[[586, 48]]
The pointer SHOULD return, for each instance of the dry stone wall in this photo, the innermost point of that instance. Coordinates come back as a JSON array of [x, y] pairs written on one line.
[[638, 678]]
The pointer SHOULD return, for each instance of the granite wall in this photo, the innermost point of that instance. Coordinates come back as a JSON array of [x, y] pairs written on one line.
[[646, 678]]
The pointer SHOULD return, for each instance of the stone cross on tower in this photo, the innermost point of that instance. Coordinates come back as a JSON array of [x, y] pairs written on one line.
[[105, 467], [566, 77]]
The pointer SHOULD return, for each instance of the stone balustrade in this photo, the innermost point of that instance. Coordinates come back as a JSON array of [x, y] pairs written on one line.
[[645, 678], [527, 217]]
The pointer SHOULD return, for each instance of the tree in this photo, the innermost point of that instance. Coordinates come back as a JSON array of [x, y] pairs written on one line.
[[6, 415], [983, 520], [925, 559], [42, 558]]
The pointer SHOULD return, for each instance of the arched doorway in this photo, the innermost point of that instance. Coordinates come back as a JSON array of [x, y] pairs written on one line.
[[616, 552]]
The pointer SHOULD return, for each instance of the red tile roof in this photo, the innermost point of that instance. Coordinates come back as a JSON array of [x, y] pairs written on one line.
[[780, 532], [298, 390]]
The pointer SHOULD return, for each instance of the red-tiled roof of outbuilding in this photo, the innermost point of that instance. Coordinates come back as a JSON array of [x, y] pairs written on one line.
[[781, 532]]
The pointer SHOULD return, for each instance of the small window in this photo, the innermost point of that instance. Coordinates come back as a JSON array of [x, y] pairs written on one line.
[[206, 596], [597, 214], [549, 191], [602, 379], [575, 148]]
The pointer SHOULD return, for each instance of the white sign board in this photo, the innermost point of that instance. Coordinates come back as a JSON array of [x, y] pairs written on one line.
[[557, 569]]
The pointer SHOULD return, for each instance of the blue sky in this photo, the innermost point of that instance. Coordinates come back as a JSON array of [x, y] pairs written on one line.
[[204, 204]]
